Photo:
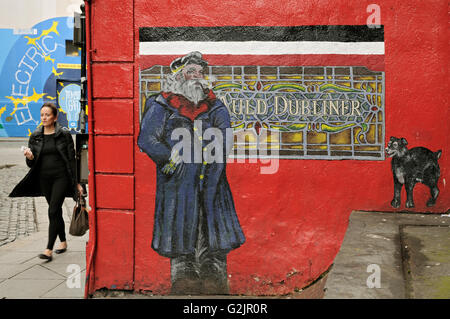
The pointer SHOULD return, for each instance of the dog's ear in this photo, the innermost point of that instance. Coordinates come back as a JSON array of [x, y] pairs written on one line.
[[404, 141]]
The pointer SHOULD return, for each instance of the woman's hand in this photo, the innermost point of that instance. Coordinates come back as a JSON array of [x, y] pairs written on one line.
[[28, 154], [80, 189]]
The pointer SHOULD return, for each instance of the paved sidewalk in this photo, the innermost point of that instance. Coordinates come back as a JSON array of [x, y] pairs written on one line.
[[23, 231], [23, 275], [409, 252], [17, 215]]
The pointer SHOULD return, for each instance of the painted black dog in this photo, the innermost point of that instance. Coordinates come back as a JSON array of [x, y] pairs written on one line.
[[418, 164]]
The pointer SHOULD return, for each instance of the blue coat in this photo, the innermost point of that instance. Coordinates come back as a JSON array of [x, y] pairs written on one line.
[[180, 196]]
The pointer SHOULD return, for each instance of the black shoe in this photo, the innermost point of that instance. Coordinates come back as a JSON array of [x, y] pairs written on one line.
[[214, 287], [185, 286], [60, 251], [43, 256]]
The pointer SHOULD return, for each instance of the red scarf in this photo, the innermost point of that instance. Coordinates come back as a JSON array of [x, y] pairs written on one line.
[[187, 108]]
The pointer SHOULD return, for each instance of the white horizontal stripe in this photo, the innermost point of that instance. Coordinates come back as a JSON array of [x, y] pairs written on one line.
[[260, 47]]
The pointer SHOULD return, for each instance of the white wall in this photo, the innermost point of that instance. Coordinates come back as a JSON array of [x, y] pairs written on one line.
[[23, 14]]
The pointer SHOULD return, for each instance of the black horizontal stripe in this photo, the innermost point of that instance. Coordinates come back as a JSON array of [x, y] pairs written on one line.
[[329, 33]]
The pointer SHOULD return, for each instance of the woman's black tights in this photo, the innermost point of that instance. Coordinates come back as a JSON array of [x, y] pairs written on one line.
[[54, 190]]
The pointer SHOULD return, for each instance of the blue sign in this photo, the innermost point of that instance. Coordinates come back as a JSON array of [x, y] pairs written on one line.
[[69, 102]]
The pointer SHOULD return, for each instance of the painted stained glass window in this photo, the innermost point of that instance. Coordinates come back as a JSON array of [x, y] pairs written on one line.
[[296, 112]]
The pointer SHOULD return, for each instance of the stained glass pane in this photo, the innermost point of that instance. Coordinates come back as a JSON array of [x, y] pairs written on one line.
[[301, 112]]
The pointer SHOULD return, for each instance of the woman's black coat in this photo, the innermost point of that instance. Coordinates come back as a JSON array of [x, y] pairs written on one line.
[[29, 185]]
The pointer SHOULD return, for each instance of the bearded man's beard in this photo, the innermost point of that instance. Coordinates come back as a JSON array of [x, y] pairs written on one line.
[[194, 90]]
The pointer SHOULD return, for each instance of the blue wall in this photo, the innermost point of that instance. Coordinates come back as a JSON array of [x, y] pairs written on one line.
[[34, 69]]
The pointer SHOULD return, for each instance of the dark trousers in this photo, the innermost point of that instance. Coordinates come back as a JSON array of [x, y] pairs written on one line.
[[202, 272], [54, 189]]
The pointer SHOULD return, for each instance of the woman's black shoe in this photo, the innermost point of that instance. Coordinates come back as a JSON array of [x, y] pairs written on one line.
[[60, 251], [43, 256]]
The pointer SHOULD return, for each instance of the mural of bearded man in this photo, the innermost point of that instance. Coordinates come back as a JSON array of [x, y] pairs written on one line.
[[195, 224]]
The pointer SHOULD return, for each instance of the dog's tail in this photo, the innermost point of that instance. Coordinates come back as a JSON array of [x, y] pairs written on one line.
[[438, 154]]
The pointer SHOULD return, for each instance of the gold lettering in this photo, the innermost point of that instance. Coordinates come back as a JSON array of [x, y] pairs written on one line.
[[247, 107], [344, 108], [305, 108], [261, 107], [294, 107], [333, 106], [355, 108], [234, 107], [315, 111], [224, 101], [297, 108], [277, 104]]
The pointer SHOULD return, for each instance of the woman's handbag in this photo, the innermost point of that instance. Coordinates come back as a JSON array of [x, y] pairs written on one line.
[[80, 219]]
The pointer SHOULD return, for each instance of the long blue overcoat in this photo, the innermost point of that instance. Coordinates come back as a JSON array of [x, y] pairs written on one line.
[[180, 196]]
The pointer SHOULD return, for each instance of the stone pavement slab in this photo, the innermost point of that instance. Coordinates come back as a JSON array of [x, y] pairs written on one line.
[[373, 244], [38, 271], [27, 288], [427, 252], [16, 257], [64, 269], [76, 289], [69, 257], [9, 270]]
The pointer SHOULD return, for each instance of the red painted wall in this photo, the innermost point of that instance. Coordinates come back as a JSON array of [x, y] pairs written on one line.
[[295, 220]]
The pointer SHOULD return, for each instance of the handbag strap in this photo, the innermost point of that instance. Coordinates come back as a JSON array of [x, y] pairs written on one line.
[[82, 200]]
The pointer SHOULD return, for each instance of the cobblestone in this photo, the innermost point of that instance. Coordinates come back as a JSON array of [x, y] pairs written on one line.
[[17, 215]]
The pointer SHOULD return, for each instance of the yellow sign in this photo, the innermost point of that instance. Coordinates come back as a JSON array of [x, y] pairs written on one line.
[[68, 66]]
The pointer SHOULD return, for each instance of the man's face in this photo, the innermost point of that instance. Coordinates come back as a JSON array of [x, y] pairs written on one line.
[[193, 72], [191, 83]]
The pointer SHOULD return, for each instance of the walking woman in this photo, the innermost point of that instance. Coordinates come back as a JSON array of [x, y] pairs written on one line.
[[51, 158]]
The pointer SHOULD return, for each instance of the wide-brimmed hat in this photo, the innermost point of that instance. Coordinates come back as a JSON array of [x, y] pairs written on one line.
[[191, 58]]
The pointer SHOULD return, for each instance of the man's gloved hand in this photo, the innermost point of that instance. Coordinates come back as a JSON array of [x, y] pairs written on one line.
[[175, 162]]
